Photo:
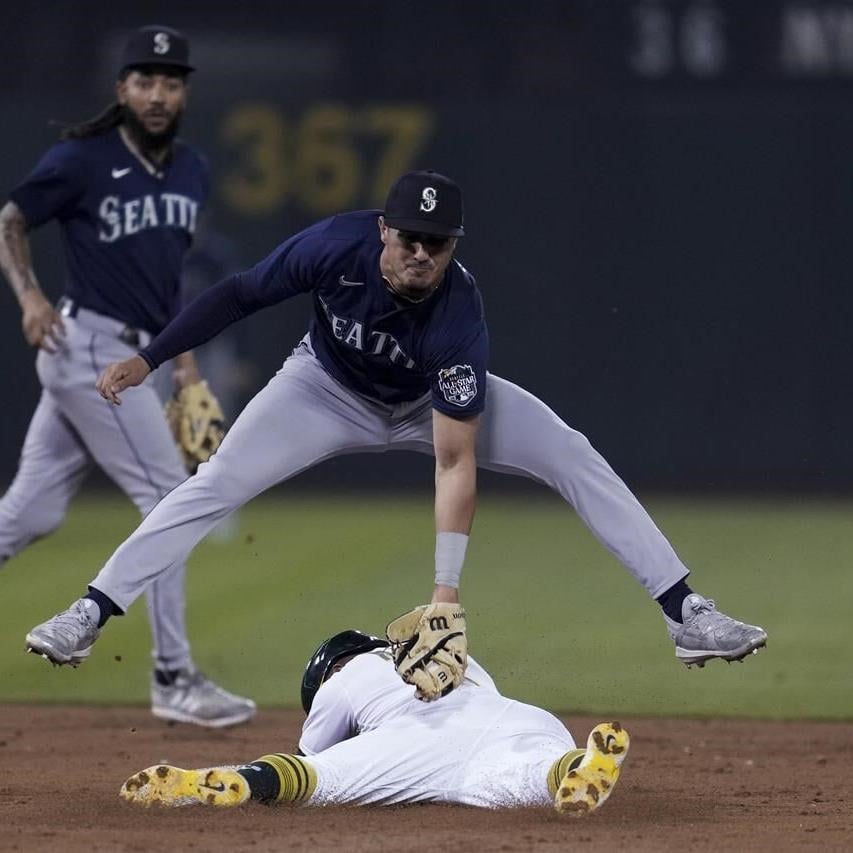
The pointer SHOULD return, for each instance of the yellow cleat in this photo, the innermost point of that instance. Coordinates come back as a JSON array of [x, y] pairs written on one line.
[[585, 788], [172, 786]]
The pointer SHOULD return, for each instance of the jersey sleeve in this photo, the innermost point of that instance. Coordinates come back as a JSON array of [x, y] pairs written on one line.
[[289, 270], [52, 189], [457, 367], [294, 267], [331, 719]]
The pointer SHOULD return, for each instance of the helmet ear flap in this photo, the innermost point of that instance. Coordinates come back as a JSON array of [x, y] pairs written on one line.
[[319, 667]]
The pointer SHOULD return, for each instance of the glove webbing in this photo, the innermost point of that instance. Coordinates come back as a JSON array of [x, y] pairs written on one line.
[[409, 644]]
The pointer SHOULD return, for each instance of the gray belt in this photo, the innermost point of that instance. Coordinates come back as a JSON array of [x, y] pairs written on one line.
[[137, 338]]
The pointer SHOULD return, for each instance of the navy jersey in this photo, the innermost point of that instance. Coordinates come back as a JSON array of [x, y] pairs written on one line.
[[368, 340], [125, 231], [364, 337]]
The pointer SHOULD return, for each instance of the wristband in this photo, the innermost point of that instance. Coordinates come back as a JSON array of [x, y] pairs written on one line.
[[449, 556]]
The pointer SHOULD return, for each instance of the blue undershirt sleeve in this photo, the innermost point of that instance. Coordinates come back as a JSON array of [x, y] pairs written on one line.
[[287, 271], [202, 319]]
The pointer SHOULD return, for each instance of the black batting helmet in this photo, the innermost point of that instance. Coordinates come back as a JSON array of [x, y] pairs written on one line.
[[342, 645]]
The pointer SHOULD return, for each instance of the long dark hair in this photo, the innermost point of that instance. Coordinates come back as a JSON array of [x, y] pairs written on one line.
[[105, 120], [110, 117]]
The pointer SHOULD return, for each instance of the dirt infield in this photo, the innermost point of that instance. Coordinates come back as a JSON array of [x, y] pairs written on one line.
[[687, 784]]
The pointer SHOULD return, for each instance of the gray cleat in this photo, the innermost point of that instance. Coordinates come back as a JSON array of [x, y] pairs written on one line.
[[706, 634], [68, 637], [194, 698]]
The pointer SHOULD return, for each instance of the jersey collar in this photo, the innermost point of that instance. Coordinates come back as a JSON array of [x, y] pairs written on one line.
[[154, 169]]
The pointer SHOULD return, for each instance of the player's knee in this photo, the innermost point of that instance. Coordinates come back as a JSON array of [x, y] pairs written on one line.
[[238, 486], [559, 443], [22, 524], [45, 521]]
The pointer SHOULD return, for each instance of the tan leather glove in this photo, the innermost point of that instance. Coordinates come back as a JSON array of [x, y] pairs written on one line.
[[197, 423], [430, 648]]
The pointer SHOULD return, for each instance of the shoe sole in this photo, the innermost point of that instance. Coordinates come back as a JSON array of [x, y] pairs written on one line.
[[36, 646], [588, 786], [172, 786], [699, 657], [173, 716]]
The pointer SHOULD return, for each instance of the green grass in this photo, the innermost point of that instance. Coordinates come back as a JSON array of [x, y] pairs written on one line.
[[551, 614]]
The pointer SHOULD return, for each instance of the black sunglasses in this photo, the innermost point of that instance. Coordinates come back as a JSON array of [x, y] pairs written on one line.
[[430, 241]]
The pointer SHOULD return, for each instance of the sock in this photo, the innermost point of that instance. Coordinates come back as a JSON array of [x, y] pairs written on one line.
[[561, 766], [166, 677], [280, 778], [106, 606], [673, 598]]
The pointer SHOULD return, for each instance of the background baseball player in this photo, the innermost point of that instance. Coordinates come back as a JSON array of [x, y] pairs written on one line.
[[368, 740], [395, 359], [126, 194]]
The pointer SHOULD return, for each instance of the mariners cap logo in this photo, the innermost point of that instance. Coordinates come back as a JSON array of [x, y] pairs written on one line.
[[157, 45], [413, 204], [161, 43], [429, 199]]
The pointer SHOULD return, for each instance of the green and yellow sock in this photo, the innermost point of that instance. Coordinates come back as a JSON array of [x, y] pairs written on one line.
[[561, 766], [280, 778]]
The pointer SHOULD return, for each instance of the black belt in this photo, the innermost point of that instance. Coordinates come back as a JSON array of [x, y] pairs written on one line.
[[128, 335]]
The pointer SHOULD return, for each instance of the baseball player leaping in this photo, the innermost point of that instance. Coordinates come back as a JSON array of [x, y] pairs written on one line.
[[395, 358], [368, 740], [126, 194]]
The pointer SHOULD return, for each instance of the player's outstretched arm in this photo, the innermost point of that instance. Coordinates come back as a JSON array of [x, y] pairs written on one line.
[[121, 375], [455, 499], [429, 645]]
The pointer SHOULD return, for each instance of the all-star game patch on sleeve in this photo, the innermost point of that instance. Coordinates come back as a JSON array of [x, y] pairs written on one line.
[[458, 367], [53, 187], [459, 387]]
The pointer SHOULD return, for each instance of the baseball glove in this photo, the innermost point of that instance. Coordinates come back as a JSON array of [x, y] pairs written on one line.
[[197, 423], [430, 649]]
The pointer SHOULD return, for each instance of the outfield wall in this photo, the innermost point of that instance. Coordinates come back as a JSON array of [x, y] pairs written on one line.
[[658, 199]]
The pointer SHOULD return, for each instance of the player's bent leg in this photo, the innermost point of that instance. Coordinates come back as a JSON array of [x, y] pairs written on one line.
[[587, 782], [300, 418], [521, 435], [53, 463], [135, 447]]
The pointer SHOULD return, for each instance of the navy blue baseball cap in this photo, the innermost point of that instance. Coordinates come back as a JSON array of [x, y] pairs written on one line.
[[426, 202], [156, 45]]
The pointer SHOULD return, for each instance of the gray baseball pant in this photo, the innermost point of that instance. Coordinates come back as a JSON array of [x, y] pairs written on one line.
[[72, 430], [304, 416]]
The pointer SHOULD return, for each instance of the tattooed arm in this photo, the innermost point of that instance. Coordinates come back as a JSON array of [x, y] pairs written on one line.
[[41, 323]]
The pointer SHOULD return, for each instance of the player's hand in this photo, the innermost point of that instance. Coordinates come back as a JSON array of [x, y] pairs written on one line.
[[120, 375], [41, 322]]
